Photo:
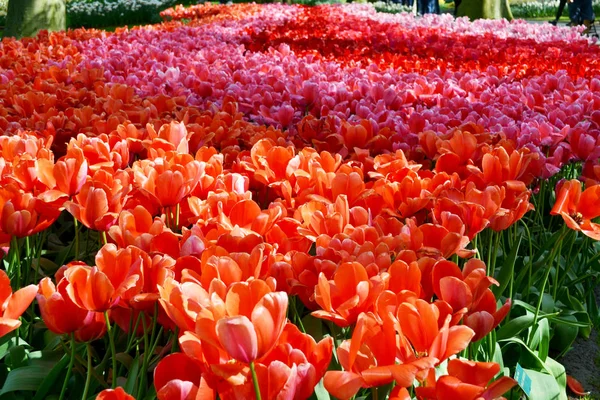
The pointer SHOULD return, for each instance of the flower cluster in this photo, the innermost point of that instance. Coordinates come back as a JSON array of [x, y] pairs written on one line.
[[265, 159]]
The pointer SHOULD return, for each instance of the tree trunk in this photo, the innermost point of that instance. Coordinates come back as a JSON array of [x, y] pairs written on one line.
[[28, 17], [489, 9]]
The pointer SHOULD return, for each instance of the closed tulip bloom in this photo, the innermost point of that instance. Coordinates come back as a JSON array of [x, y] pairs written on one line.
[[100, 200], [254, 320], [60, 314]]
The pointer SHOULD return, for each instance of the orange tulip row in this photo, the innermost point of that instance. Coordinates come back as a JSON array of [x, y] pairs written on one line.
[[359, 242]]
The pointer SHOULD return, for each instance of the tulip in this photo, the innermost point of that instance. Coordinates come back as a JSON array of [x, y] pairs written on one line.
[[578, 208], [114, 394], [12, 305], [349, 293]]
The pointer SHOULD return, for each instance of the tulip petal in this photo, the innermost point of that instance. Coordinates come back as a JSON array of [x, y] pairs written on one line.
[[238, 337]]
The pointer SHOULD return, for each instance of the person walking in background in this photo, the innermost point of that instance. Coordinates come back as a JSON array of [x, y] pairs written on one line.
[[561, 8], [581, 12], [428, 7], [456, 5]]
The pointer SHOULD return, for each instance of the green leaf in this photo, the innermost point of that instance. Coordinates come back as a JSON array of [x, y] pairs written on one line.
[[124, 359], [320, 392], [313, 326], [548, 305], [27, 378], [564, 336], [132, 376], [515, 326], [568, 320], [17, 357], [543, 386], [547, 245], [9, 341], [50, 380], [507, 271], [498, 358], [559, 373], [540, 339]]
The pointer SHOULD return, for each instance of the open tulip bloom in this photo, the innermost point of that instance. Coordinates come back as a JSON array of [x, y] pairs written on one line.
[[282, 202]]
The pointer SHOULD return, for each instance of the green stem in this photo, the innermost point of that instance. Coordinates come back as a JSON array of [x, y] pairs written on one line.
[[104, 239], [255, 381], [16, 263], [69, 368], [547, 275], [111, 341], [88, 378], [177, 212], [490, 251], [174, 345], [76, 238], [374, 393], [168, 217]]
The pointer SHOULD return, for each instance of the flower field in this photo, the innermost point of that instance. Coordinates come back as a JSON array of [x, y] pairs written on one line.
[[290, 202]]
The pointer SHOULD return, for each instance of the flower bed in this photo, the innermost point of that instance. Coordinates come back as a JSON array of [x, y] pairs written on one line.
[[286, 201]]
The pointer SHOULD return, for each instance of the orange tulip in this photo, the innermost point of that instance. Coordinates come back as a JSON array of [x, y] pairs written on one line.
[[170, 137], [253, 320], [136, 227], [59, 313], [429, 332], [466, 380], [291, 370], [115, 278], [67, 175], [369, 360], [168, 180], [100, 200], [578, 208], [22, 214], [270, 161], [469, 289], [349, 293], [114, 394], [177, 376], [183, 302], [12, 305]]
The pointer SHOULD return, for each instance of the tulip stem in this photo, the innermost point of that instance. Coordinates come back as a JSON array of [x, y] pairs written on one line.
[[177, 211], [255, 381], [69, 368], [168, 217], [104, 239], [113, 352], [551, 257], [76, 238], [16, 263], [88, 378]]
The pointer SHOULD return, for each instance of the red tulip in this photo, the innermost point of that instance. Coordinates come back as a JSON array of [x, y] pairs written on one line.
[[114, 394]]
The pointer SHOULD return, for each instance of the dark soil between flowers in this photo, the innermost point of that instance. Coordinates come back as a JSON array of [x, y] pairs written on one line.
[[582, 362]]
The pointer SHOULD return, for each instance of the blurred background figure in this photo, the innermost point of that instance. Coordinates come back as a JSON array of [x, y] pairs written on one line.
[[561, 8], [428, 6], [581, 12]]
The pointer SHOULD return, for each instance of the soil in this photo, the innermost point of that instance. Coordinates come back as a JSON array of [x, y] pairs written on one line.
[[582, 362]]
